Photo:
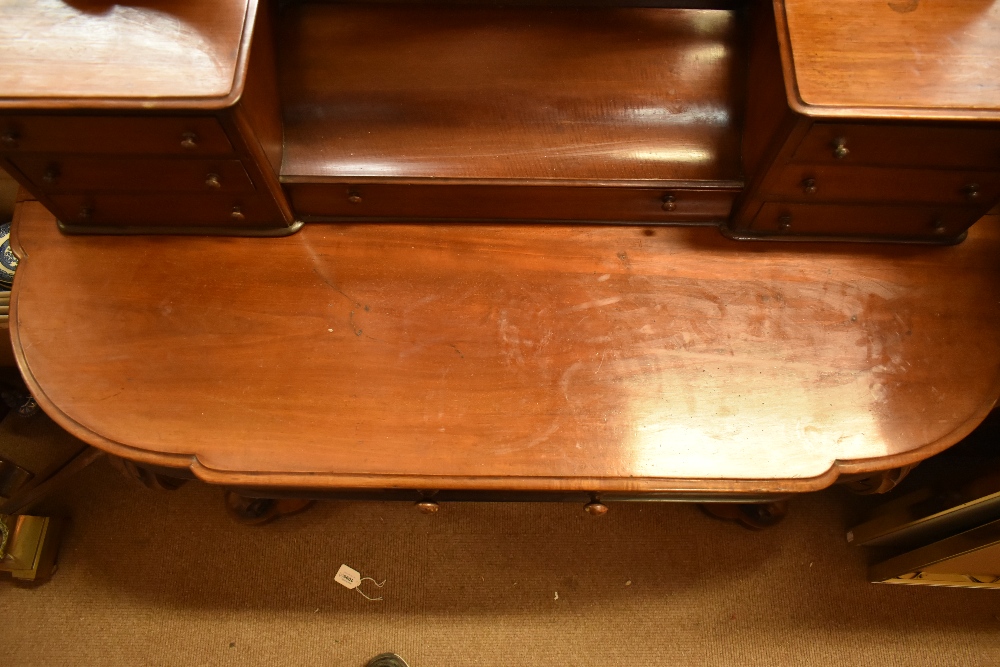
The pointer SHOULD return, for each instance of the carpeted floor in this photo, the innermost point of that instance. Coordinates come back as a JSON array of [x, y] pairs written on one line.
[[167, 578]]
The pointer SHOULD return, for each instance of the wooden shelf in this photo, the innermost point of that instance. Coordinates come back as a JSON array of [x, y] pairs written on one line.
[[529, 95]]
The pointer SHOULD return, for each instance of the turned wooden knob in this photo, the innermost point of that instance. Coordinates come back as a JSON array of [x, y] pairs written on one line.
[[9, 138], [840, 150], [212, 181], [595, 508], [86, 212], [354, 197], [785, 223], [938, 226], [237, 214], [971, 191], [51, 175], [669, 203], [809, 186], [189, 140], [428, 507]]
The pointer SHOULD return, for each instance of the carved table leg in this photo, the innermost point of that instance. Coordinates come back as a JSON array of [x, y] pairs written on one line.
[[257, 511], [755, 516]]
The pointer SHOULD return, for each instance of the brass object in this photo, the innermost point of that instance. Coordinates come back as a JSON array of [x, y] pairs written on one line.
[[32, 542], [51, 175], [840, 150], [809, 186], [669, 203], [237, 214], [354, 197], [428, 507], [189, 140], [596, 508], [785, 223], [212, 181]]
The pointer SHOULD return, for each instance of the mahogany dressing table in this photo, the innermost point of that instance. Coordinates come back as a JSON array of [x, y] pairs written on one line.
[[461, 251]]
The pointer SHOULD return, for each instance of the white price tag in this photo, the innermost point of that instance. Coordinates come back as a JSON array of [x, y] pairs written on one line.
[[348, 576]]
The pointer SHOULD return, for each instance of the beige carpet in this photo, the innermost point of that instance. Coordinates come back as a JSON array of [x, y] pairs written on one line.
[[166, 578]]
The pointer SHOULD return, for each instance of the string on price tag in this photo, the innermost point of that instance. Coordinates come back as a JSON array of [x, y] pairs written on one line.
[[348, 577]]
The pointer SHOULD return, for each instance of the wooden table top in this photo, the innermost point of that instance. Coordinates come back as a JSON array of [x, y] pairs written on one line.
[[892, 58], [143, 55], [518, 358]]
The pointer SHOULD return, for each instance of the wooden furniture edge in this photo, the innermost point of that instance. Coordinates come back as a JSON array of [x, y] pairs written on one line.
[[153, 104], [800, 106]]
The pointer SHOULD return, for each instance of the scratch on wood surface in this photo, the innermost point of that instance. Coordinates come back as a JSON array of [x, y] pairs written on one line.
[[597, 303]]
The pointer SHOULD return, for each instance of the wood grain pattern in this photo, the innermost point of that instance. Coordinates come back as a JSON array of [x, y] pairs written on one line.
[[902, 58], [55, 50], [403, 92], [518, 358]]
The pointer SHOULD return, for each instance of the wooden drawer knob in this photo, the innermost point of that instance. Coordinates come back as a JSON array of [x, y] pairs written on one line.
[[86, 212], [212, 181], [237, 214], [428, 507], [354, 197], [840, 150], [785, 222], [189, 140], [9, 139], [809, 186], [596, 508], [938, 226], [669, 203], [51, 175], [971, 191]]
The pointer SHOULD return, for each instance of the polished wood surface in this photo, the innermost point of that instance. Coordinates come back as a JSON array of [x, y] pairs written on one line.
[[895, 58], [54, 51], [377, 91], [517, 358], [804, 168], [314, 201]]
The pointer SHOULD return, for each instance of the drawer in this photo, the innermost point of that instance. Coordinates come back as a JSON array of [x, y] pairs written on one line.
[[510, 202], [821, 183], [902, 146], [156, 135], [177, 210], [133, 174], [845, 220]]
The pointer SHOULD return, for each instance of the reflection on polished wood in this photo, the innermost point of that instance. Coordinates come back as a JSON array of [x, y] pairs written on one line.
[[55, 51], [408, 92], [517, 358]]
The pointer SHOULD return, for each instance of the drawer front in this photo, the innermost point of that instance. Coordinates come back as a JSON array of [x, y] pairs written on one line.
[[488, 202], [75, 174], [159, 135], [821, 183], [928, 222], [901, 146], [188, 210]]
